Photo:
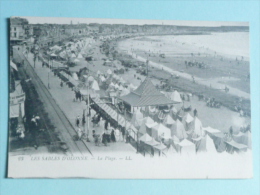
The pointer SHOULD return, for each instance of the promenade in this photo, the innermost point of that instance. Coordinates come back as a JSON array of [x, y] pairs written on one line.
[[64, 99]]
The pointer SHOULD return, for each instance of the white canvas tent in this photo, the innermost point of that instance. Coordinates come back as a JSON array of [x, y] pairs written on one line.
[[109, 71], [137, 118], [161, 131], [197, 127], [145, 138], [80, 56], [95, 85], [145, 121], [210, 146], [168, 120], [178, 130], [176, 97], [187, 147]]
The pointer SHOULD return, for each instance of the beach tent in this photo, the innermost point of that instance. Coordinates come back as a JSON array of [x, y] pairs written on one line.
[[76, 60], [112, 85], [197, 128], [121, 88], [178, 130], [95, 85], [146, 121], [137, 118], [109, 71], [161, 131], [187, 147], [75, 76], [171, 151], [132, 87], [176, 97], [145, 138], [89, 78], [160, 147], [102, 78], [116, 86], [210, 130], [80, 56], [13, 65], [210, 146], [168, 120], [200, 143], [121, 80], [73, 55], [98, 73], [152, 142], [187, 122], [124, 92], [243, 138]]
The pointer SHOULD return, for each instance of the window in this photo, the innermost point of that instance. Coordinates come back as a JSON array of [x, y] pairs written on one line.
[[14, 34], [14, 28]]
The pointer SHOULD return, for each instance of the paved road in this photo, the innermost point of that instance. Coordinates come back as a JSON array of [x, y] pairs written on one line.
[[55, 114]]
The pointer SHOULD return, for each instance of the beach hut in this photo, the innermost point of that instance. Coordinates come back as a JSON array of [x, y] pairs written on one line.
[[187, 147], [160, 131], [176, 97], [178, 130]]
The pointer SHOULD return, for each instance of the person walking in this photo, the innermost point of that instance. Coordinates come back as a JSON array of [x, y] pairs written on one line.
[[61, 84], [77, 121]]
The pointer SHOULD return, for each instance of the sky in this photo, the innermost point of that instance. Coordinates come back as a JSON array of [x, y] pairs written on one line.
[[56, 20]]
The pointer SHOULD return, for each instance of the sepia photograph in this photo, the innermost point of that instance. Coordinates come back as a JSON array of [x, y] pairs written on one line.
[[138, 93]]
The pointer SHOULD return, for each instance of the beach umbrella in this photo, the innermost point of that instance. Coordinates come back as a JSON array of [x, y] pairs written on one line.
[[76, 60], [53, 55]]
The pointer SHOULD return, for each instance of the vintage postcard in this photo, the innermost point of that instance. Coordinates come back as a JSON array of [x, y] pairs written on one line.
[[129, 99]]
